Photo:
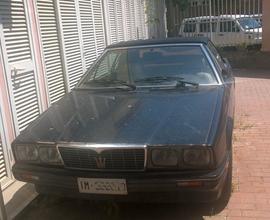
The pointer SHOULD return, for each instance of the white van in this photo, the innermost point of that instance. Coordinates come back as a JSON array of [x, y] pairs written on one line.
[[258, 17], [225, 30]]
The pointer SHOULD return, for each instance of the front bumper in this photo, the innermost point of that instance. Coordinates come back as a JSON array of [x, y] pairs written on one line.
[[143, 187]]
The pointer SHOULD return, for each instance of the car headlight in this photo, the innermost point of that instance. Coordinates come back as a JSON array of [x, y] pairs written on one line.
[[49, 155], [197, 157], [43, 154], [26, 153], [181, 158], [164, 157]]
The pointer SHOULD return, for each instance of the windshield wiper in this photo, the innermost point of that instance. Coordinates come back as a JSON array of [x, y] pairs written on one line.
[[180, 81], [111, 82]]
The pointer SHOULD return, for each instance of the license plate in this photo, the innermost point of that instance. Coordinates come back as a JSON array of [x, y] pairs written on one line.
[[102, 186]]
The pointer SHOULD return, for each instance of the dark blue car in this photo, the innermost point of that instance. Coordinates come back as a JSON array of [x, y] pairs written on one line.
[[151, 120]]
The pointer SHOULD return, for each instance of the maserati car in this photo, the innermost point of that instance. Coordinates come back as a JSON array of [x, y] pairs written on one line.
[[150, 120]]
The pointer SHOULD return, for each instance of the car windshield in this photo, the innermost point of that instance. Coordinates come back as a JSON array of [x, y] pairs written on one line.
[[150, 66], [249, 23]]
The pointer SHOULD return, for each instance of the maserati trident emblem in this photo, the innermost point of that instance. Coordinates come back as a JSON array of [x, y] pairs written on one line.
[[100, 161]]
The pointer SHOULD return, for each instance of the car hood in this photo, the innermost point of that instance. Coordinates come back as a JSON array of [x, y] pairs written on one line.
[[146, 117]]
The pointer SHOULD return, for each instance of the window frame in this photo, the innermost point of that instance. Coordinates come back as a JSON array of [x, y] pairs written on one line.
[[208, 23], [219, 62], [191, 22], [222, 26]]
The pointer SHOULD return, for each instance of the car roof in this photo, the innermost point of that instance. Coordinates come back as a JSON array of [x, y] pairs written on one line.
[[151, 42], [200, 18], [235, 16]]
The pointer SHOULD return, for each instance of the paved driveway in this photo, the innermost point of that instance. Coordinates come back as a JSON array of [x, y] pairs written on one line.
[[251, 181]]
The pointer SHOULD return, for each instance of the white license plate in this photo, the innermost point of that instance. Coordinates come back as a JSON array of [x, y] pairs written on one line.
[[102, 186]]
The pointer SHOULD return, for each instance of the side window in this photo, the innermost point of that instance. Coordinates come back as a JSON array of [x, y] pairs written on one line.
[[205, 26], [214, 26], [229, 26], [190, 27], [113, 66], [105, 65]]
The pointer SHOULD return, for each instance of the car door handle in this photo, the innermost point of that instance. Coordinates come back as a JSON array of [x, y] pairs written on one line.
[[221, 35]]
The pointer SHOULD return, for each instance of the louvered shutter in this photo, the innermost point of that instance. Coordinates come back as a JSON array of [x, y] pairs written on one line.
[[115, 21], [3, 170], [130, 19], [72, 42], [119, 20], [140, 19], [93, 37], [112, 25], [88, 32], [99, 26], [51, 49], [20, 61]]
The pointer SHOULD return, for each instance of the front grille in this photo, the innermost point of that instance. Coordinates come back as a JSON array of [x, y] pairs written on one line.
[[111, 159]]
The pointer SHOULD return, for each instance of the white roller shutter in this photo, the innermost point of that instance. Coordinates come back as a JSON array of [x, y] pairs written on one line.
[[72, 42], [125, 20], [130, 20], [140, 19], [83, 35], [19, 61], [115, 20], [93, 37], [99, 26], [120, 20], [51, 49], [88, 32]]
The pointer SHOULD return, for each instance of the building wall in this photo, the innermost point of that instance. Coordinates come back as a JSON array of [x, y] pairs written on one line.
[[99, 23], [266, 26]]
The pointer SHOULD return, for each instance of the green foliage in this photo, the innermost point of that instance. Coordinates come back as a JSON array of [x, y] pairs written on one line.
[[183, 4]]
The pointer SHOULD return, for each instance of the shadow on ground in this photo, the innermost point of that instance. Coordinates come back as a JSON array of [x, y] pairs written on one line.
[[44, 207]]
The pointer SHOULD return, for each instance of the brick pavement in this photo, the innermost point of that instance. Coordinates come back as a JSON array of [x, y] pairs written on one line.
[[251, 169]]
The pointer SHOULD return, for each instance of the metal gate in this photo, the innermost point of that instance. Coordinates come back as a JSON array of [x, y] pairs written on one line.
[[225, 22]]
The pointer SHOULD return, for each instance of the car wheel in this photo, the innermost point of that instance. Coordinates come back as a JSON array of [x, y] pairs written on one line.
[[219, 205]]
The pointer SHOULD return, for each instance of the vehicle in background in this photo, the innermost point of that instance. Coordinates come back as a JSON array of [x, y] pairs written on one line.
[[225, 30], [258, 18]]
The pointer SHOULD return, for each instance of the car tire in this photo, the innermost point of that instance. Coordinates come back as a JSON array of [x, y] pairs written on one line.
[[219, 205]]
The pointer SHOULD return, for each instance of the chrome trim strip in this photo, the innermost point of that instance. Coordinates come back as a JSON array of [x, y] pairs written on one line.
[[101, 147], [154, 45]]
